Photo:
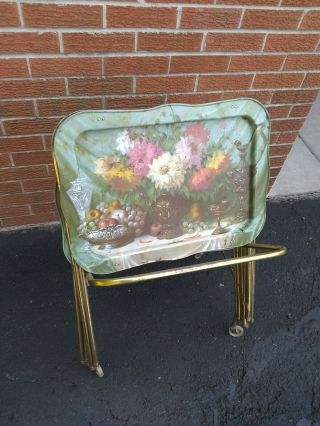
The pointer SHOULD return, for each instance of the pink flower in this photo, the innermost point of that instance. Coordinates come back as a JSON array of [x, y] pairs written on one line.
[[201, 179], [198, 133], [190, 153], [141, 156]]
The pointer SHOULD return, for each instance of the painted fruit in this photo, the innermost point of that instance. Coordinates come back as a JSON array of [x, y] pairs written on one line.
[[112, 221], [115, 204], [195, 211], [102, 224], [155, 229], [118, 214], [93, 214]]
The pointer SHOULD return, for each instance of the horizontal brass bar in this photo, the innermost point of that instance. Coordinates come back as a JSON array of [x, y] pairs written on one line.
[[274, 251]]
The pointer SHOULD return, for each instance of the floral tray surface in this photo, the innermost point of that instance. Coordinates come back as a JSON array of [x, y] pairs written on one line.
[[140, 186]]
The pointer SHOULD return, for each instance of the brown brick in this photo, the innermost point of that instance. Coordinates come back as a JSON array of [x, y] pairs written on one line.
[[31, 158], [277, 161], [51, 170], [24, 42], [129, 102], [301, 62], [65, 106], [195, 98], [300, 3], [300, 110], [9, 16], [277, 80], [65, 67], [261, 96], [280, 150], [141, 17], [43, 208], [182, 1], [210, 18], [10, 187], [271, 19], [249, 2], [170, 84], [195, 64], [16, 173], [60, 15], [30, 220], [5, 160], [30, 88], [26, 198], [234, 42], [294, 96], [16, 108], [44, 184], [30, 126], [291, 42], [274, 138], [256, 63], [98, 42], [8, 210], [24, 143], [224, 82], [280, 111], [287, 137], [13, 68], [286, 124], [166, 42], [136, 65], [311, 20], [100, 86], [312, 80]]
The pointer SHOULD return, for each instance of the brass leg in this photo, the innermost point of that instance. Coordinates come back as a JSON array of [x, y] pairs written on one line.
[[244, 280], [88, 354]]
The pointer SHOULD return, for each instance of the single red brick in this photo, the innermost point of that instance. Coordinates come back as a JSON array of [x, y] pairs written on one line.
[[287, 137], [280, 150], [134, 102], [224, 82], [277, 161], [274, 171], [271, 19], [170, 84], [182, 1], [10, 187], [210, 18], [141, 17], [5, 160], [44, 184], [300, 3], [286, 124], [43, 208], [9, 16], [274, 138], [100, 86], [261, 96], [194, 98], [31, 88], [234, 42], [277, 80], [30, 220], [30, 126], [65, 106], [8, 210], [294, 96], [256, 62], [136, 65], [166, 42], [301, 62], [300, 110], [31, 158], [65, 67], [249, 2], [291, 42], [13, 68], [24, 42], [16, 109], [51, 170], [279, 111], [17, 173], [62, 15], [311, 20], [195, 64], [24, 143], [26, 198], [312, 80], [98, 42]]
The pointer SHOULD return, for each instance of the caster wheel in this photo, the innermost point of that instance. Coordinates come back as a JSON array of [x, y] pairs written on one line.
[[236, 330], [198, 255], [99, 371]]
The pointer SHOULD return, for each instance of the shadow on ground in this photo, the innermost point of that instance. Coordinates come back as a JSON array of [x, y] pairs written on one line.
[[166, 354]]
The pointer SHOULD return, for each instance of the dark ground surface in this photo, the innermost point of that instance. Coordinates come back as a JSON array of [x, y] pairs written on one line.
[[166, 354]]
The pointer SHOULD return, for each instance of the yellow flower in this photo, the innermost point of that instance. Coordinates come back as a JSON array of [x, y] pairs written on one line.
[[121, 178], [219, 161]]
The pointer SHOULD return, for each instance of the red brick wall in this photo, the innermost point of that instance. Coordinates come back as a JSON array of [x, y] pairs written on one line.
[[58, 57]]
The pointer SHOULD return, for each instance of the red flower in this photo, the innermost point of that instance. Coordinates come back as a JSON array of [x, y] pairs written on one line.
[[201, 179], [198, 132]]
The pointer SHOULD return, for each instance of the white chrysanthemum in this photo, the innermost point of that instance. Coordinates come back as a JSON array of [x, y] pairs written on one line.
[[167, 172], [124, 143]]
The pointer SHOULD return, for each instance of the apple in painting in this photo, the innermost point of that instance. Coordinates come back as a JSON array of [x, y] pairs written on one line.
[[102, 224], [155, 229]]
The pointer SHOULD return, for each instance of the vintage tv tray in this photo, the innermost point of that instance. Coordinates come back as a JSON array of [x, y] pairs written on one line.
[[140, 186]]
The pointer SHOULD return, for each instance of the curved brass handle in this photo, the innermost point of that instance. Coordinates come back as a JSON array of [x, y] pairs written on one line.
[[273, 251]]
